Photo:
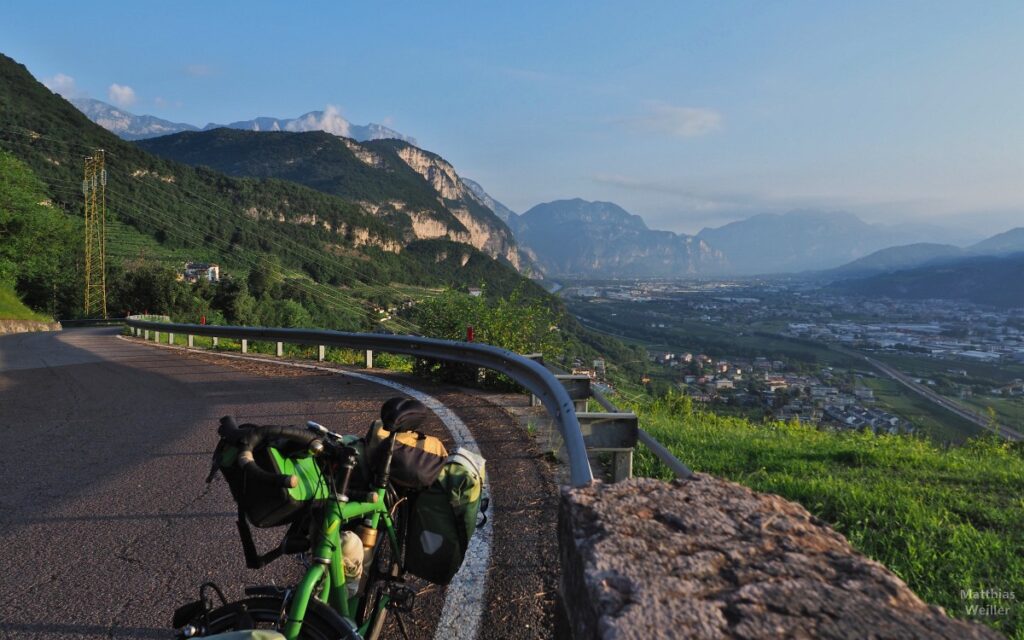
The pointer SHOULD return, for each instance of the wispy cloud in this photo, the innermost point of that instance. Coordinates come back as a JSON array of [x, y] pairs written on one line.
[[199, 70], [63, 84], [121, 95], [683, 122], [693, 198]]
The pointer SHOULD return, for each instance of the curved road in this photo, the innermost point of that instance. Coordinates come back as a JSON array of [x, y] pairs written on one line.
[[106, 524]]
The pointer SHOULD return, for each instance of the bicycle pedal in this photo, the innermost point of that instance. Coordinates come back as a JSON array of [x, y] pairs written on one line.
[[402, 598]]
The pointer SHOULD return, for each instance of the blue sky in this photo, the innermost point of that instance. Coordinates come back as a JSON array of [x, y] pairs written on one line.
[[689, 114]]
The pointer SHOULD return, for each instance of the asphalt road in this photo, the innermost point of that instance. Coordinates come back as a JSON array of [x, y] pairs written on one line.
[[106, 524]]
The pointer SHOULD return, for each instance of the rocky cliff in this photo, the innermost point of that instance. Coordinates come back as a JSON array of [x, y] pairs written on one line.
[[417, 193]]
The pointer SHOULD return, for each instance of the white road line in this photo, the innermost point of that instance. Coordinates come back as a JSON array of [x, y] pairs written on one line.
[[464, 598]]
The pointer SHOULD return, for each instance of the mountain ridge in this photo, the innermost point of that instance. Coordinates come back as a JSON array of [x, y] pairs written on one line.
[[330, 240], [576, 236], [131, 126], [903, 257], [997, 281], [389, 179]]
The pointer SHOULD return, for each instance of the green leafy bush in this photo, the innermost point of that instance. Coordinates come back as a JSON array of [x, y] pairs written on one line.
[[516, 323]]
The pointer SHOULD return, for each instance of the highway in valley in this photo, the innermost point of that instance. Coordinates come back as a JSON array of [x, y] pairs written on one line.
[[107, 525], [944, 402]]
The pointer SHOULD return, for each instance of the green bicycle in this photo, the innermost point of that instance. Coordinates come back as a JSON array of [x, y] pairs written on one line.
[[318, 484]]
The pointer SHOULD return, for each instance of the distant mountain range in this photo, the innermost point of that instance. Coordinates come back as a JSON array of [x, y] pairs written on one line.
[[601, 239], [500, 210], [992, 280], [564, 237], [912, 256], [806, 241], [129, 126]]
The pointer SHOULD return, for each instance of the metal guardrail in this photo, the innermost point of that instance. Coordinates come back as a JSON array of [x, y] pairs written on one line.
[[581, 389], [673, 463], [530, 374]]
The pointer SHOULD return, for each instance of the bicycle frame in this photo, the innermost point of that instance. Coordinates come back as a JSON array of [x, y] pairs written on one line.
[[327, 569]]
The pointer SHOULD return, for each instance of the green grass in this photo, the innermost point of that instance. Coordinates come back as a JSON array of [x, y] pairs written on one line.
[[1010, 411], [12, 308], [943, 519]]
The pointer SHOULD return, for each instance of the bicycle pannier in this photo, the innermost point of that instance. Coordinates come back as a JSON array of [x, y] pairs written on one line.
[[443, 518], [269, 505], [417, 459]]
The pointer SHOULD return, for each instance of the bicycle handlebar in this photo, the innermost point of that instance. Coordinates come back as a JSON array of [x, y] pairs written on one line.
[[249, 438]]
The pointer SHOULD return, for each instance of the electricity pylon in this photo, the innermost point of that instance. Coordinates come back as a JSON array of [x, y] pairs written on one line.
[[94, 191]]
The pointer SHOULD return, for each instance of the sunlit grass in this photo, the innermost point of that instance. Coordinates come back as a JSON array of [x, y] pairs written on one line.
[[943, 519]]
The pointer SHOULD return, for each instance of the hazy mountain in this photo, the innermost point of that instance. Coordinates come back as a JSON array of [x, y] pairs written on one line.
[[925, 254], [127, 126], [602, 239], [898, 258], [390, 179], [499, 209], [996, 281], [799, 241], [1011, 241]]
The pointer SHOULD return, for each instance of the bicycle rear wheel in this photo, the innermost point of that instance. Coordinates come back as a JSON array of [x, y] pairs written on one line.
[[265, 612]]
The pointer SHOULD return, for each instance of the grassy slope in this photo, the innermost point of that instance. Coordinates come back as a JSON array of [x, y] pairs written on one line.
[[11, 307], [942, 519]]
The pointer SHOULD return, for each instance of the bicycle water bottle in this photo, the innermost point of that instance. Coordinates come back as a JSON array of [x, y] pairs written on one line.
[[352, 552]]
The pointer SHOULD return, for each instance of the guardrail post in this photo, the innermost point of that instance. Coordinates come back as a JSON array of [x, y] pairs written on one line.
[[170, 338], [245, 345], [320, 353], [147, 334], [622, 463], [538, 358], [578, 387], [216, 341], [369, 359], [156, 336], [191, 342], [280, 349]]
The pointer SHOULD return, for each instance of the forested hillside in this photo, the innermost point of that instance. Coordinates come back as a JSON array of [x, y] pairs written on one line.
[[415, 191], [343, 257]]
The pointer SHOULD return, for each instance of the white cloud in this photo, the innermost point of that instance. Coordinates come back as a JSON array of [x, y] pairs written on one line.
[[121, 95], [684, 122], [329, 120], [62, 84], [199, 70]]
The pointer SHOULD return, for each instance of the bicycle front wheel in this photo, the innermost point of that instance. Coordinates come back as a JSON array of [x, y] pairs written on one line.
[[265, 612]]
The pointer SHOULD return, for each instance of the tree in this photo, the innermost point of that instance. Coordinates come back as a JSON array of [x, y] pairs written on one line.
[[38, 243], [265, 277]]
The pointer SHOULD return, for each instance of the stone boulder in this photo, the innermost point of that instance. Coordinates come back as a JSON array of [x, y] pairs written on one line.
[[705, 558]]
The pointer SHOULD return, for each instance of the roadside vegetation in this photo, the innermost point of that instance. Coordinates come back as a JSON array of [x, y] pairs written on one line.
[[12, 308], [943, 519]]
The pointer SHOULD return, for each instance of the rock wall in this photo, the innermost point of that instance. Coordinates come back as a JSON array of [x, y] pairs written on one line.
[[706, 558], [24, 326]]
